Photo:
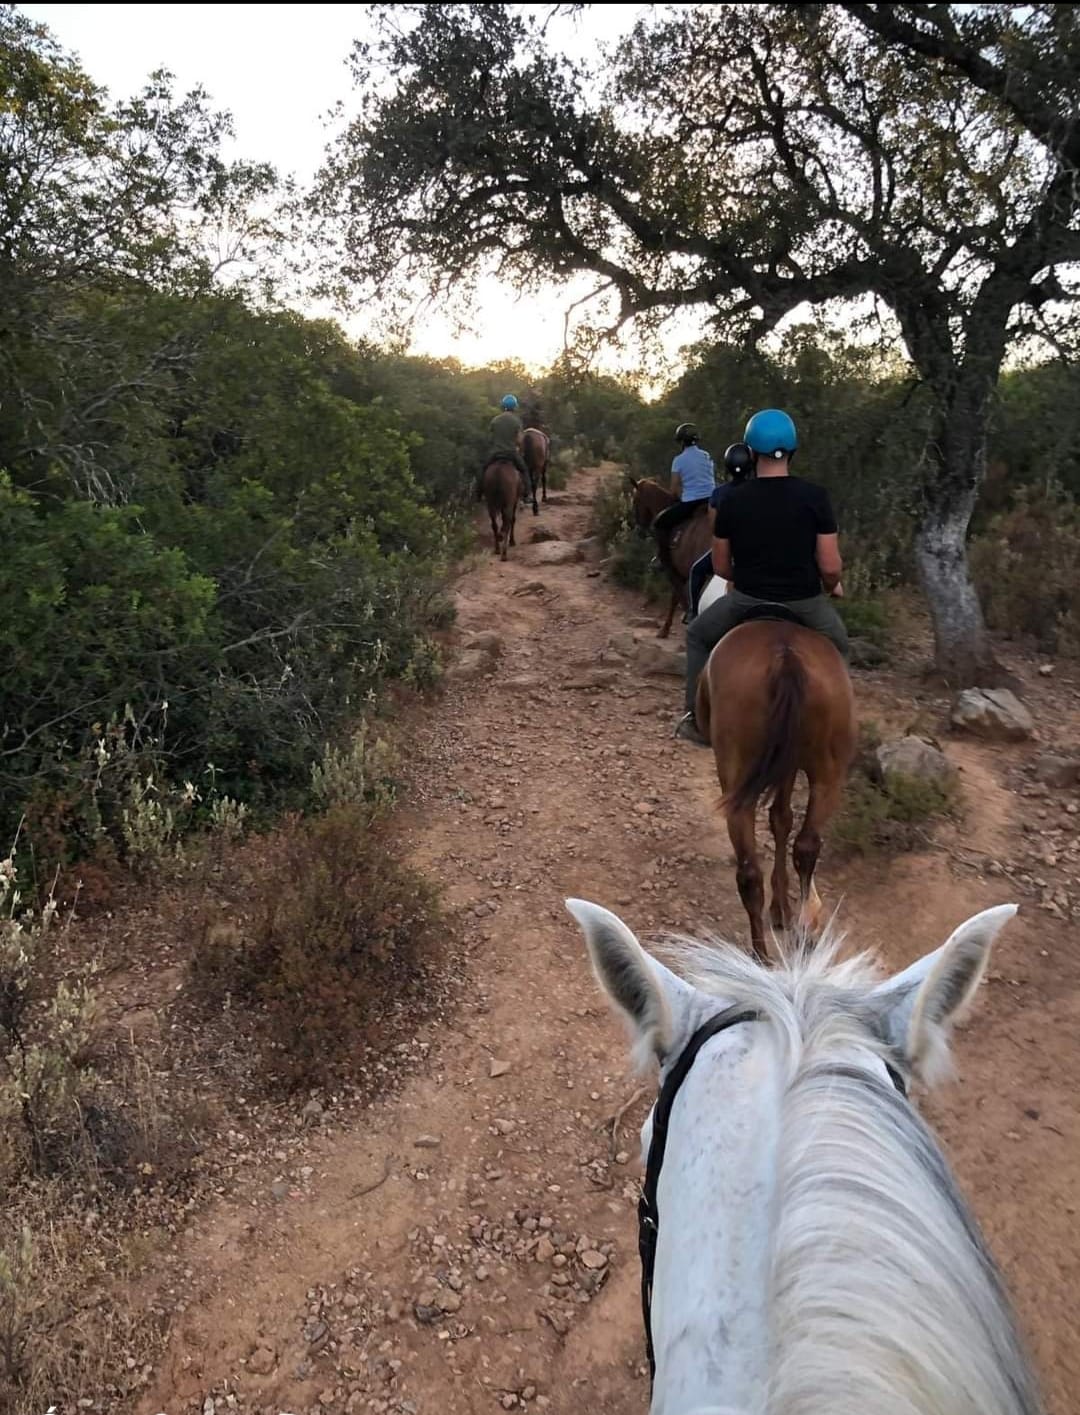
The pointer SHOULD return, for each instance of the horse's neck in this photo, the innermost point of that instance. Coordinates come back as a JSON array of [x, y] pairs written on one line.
[[657, 498], [710, 1291]]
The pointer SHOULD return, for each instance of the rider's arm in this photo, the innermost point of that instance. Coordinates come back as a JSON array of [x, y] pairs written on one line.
[[721, 546], [721, 558], [676, 485], [829, 563], [828, 559]]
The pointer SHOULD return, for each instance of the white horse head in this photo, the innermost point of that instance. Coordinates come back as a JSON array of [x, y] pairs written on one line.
[[813, 1254]]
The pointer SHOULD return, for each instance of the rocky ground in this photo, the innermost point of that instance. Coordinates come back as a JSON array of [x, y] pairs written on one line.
[[463, 1239]]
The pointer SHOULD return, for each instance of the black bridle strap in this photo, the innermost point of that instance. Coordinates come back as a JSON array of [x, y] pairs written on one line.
[[648, 1214]]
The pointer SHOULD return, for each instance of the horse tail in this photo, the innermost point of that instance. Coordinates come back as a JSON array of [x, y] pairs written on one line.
[[778, 760]]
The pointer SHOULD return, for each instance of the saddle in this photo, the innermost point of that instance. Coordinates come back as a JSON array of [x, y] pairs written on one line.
[[493, 457], [779, 612], [683, 526]]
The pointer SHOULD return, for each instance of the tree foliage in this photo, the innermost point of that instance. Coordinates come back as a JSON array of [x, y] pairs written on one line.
[[751, 159], [225, 526]]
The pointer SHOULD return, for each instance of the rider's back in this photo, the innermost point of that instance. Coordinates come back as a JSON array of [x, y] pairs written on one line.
[[694, 468], [504, 431], [773, 524]]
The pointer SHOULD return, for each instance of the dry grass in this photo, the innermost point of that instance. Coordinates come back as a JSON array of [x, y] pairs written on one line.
[[339, 933], [69, 1332]]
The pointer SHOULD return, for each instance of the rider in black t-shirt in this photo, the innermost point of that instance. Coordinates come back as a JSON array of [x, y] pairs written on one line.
[[775, 537]]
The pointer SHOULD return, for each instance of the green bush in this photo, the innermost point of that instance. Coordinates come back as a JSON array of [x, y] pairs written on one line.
[[611, 515], [631, 553], [864, 618], [887, 815], [1026, 566]]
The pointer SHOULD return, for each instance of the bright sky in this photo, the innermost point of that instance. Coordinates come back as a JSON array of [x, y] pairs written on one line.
[[279, 69]]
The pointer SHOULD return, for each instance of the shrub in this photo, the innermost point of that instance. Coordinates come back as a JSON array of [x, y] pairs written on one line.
[[864, 618], [358, 774], [632, 567], [1026, 569], [611, 515], [887, 815], [340, 936], [561, 467], [47, 1048], [631, 553]]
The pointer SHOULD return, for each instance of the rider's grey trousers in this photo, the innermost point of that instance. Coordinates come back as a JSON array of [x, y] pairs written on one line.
[[706, 631]]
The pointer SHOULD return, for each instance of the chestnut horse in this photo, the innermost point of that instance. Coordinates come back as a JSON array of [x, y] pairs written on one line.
[[535, 450], [502, 489], [689, 543], [775, 699]]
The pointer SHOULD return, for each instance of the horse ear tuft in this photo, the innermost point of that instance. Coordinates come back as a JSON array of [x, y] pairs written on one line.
[[628, 976]]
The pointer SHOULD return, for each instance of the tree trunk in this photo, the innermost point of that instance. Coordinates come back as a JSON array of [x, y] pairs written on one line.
[[962, 648], [955, 462]]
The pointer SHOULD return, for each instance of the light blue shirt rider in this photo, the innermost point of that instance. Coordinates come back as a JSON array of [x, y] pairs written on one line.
[[694, 467]]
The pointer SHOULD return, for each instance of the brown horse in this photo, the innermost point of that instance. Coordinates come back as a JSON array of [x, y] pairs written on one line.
[[502, 488], [689, 543], [774, 700], [535, 450]]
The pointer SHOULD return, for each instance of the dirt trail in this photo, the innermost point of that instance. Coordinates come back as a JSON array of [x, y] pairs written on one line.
[[470, 1245]]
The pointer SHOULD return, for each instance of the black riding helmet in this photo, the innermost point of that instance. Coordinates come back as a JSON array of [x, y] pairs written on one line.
[[687, 434], [738, 461]]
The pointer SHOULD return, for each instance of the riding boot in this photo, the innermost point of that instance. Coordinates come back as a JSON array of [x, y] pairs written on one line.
[[687, 730]]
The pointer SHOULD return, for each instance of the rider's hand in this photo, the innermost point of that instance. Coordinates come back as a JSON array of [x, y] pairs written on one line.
[[837, 592]]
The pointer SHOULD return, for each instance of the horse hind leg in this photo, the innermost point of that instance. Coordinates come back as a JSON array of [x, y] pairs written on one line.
[[748, 876], [781, 820], [494, 529], [822, 803], [543, 479]]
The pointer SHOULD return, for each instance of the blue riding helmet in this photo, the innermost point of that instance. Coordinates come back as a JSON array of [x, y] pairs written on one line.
[[509, 403], [771, 433]]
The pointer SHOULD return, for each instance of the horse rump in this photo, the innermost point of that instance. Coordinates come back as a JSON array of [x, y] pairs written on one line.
[[778, 760]]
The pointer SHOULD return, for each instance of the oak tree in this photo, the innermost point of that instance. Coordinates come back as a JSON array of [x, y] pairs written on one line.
[[751, 159]]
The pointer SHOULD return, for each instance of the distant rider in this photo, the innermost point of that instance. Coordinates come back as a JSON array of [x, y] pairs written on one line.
[[775, 535], [693, 481], [505, 433]]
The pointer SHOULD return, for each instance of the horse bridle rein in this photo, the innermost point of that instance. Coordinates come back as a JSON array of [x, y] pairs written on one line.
[[648, 1213]]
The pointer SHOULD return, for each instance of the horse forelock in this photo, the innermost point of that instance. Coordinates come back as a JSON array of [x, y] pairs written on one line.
[[883, 1295]]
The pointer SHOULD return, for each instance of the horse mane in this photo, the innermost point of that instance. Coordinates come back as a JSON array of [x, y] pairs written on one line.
[[884, 1296]]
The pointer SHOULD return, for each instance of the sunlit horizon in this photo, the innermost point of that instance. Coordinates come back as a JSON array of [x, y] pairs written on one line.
[[279, 72]]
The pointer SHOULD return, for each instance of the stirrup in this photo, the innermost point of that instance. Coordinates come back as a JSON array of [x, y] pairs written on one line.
[[686, 717]]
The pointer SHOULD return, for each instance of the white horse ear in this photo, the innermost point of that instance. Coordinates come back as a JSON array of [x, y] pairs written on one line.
[[632, 980], [920, 1005]]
